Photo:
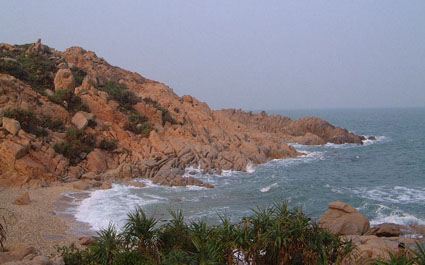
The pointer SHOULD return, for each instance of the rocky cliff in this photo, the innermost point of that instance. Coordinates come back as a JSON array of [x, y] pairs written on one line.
[[70, 115]]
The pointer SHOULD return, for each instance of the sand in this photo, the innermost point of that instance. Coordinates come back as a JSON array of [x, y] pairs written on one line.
[[37, 224]]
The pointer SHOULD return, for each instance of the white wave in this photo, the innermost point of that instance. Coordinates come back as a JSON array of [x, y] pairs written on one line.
[[397, 194], [367, 142], [307, 158], [268, 188], [396, 217], [250, 168], [104, 206]]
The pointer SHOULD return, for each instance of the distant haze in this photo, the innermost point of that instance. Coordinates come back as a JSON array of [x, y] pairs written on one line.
[[246, 54]]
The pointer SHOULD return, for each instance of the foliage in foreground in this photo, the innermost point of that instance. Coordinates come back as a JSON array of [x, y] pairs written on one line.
[[272, 235], [410, 257]]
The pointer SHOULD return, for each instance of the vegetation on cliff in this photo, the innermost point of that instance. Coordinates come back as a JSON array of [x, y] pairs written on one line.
[[272, 235], [32, 124], [35, 69]]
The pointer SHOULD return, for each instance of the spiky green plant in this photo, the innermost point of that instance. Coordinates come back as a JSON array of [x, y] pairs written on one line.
[[206, 245], [141, 234], [107, 245]]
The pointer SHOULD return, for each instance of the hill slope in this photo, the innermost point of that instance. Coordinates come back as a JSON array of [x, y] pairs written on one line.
[[71, 115]]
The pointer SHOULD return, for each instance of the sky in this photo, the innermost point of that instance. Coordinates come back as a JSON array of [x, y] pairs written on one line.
[[299, 54]]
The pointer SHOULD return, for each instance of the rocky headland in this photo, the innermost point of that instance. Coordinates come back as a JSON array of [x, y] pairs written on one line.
[[72, 117]]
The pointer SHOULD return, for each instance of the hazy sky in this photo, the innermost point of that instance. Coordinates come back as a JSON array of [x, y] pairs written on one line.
[[248, 54]]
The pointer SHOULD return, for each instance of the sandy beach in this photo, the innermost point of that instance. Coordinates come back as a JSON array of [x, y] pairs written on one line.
[[37, 224]]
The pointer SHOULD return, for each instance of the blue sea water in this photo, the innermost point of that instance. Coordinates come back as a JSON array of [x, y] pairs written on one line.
[[384, 179]]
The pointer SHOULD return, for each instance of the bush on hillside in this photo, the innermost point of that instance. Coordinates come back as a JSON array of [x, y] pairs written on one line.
[[37, 70], [119, 92], [69, 101], [76, 142], [138, 124], [32, 124], [79, 75]]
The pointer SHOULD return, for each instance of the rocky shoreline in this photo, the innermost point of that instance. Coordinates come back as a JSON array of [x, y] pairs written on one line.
[[70, 116]]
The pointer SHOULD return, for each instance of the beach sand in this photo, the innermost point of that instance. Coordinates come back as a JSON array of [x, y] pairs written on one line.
[[37, 224]]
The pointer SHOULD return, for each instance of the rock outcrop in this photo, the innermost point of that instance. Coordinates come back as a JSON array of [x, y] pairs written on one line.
[[343, 219], [143, 128], [370, 244], [64, 80]]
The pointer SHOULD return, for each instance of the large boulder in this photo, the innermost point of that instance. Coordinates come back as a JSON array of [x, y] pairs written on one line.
[[11, 125], [64, 80], [96, 161], [343, 219], [81, 119], [10, 151]]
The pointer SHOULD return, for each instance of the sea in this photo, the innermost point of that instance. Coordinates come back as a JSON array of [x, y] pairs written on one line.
[[383, 179]]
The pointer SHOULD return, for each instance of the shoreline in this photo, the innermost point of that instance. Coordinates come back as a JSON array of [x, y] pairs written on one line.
[[40, 223]]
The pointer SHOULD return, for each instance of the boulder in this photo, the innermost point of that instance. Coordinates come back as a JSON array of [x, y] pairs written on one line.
[[64, 80], [23, 199], [86, 240], [16, 253], [96, 161], [106, 186], [343, 219], [187, 98], [11, 125], [386, 230], [9, 149], [80, 185], [81, 119]]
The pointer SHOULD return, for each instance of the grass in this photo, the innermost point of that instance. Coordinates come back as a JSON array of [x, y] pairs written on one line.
[[272, 235], [32, 124], [36, 70], [76, 142]]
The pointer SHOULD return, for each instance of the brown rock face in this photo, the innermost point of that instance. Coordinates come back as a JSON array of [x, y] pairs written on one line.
[[64, 80], [169, 134], [23, 199], [386, 230], [343, 219], [96, 161]]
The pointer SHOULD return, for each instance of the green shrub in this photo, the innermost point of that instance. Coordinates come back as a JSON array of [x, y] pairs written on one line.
[[119, 92], [108, 145], [272, 235], [79, 75], [68, 100], [52, 124], [37, 70], [76, 142], [165, 114], [138, 124]]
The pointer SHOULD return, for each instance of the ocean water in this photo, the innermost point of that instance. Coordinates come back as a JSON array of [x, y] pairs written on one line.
[[384, 179]]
